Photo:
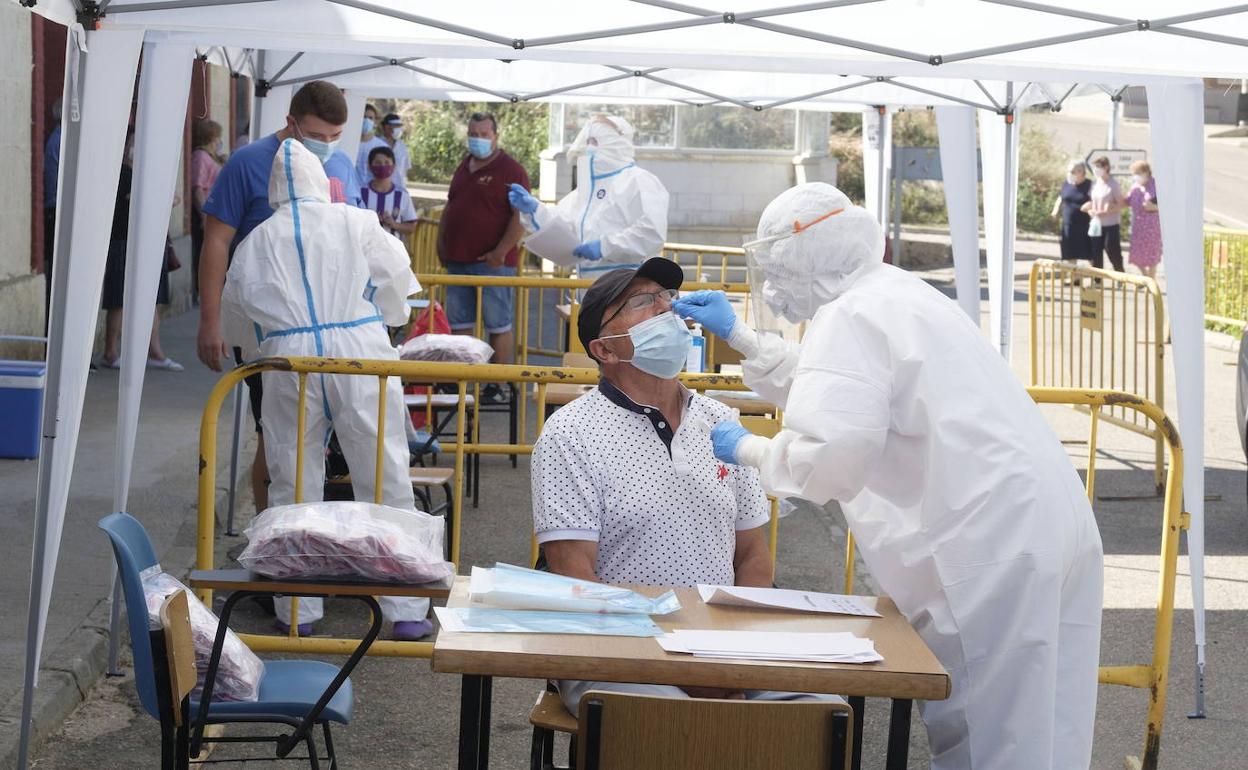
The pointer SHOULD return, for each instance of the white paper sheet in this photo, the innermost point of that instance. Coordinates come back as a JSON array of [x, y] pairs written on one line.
[[838, 647], [785, 599], [554, 241]]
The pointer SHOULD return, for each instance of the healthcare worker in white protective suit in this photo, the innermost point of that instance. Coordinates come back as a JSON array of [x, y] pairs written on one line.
[[963, 503], [324, 279], [615, 217]]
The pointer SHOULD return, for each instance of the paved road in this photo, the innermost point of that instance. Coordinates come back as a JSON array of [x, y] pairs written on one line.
[[406, 717]]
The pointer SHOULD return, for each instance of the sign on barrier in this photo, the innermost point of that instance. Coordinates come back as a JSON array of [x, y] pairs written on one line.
[[1119, 160]]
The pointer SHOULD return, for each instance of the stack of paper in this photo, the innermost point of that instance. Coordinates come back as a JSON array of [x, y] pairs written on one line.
[[491, 621], [835, 647], [780, 598]]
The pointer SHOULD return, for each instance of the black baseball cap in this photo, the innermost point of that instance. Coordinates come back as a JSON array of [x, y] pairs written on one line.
[[610, 286], [392, 120]]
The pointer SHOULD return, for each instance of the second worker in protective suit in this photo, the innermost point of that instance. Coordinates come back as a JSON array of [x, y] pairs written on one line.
[[963, 502], [616, 215], [324, 279]]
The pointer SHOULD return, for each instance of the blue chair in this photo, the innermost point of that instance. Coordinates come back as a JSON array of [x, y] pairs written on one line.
[[288, 691]]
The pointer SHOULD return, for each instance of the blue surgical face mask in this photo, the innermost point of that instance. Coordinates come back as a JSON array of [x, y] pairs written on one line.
[[368, 126], [480, 148], [322, 150], [660, 345]]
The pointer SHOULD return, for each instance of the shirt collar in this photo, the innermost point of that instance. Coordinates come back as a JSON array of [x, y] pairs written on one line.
[[621, 399]]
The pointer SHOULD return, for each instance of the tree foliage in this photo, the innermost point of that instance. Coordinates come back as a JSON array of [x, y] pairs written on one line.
[[437, 135]]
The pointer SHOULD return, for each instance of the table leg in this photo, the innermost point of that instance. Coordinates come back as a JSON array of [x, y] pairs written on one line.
[[474, 722], [859, 705], [899, 735]]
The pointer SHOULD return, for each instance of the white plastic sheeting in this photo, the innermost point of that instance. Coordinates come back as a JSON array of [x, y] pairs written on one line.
[[100, 70], [1177, 116], [998, 141], [956, 126]]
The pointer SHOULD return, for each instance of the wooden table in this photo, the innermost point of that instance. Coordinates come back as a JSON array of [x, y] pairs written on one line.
[[909, 670], [242, 583]]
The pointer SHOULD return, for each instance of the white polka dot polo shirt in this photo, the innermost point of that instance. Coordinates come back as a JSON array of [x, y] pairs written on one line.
[[662, 509]]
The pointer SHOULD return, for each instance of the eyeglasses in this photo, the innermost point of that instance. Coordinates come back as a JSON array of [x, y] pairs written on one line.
[[643, 300]]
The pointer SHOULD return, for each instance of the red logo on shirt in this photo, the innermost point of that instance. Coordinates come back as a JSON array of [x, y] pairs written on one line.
[[722, 473]]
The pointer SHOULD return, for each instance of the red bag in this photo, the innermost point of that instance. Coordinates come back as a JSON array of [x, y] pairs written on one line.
[[433, 315]]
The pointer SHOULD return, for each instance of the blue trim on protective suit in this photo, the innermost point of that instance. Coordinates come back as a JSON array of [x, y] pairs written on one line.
[[321, 327], [303, 263]]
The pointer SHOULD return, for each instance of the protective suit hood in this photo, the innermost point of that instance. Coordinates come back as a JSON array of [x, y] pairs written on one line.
[[821, 244], [297, 174], [614, 143]]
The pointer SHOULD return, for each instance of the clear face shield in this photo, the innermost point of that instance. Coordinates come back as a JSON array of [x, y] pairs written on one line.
[[781, 282]]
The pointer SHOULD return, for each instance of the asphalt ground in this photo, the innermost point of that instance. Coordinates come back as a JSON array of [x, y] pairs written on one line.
[[407, 717]]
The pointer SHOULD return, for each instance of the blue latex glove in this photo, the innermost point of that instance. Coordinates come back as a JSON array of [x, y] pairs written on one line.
[[591, 250], [521, 200], [709, 308], [725, 437]]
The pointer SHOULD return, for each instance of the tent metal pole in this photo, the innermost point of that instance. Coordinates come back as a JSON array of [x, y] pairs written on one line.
[[458, 82], [1014, 105], [234, 447], [345, 71], [690, 89], [795, 31], [1010, 193], [586, 84], [1210, 36], [929, 92], [257, 99], [1115, 110], [1068, 12], [288, 65], [172, 5], [881, 117], [426, 21], [817, 94], [1058, 104], [71, 134], [987, 93], [1043, 42]]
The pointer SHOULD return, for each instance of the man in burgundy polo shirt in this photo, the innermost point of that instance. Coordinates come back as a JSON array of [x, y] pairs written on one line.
[[478, 235]]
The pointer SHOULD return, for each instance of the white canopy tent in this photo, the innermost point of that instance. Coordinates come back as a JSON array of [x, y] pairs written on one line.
[[648, 51]]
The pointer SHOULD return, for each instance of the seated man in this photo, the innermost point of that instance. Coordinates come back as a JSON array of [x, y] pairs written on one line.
[[626, 487]]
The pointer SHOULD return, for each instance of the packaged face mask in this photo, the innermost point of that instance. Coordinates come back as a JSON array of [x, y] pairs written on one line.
[[515, 588]]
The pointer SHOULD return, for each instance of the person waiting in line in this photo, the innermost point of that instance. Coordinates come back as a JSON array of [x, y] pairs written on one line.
[[206, 161], [319, 279], [392, 136], [1105, 208], [618, 211], [113, 295], [1145, 223], [626, 487], [1075, 192], [368, 141], [479, 234], [388, 200], [239, 201]]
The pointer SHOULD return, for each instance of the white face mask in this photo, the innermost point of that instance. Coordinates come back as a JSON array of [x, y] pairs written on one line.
[[1071, 179], [1102, 174], [397, 133], [1139, 179]]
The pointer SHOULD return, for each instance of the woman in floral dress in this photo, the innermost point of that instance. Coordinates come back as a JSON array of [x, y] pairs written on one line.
[[1145, 222]]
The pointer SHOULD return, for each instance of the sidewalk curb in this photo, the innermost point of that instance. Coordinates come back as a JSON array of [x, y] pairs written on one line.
[[71, 670]]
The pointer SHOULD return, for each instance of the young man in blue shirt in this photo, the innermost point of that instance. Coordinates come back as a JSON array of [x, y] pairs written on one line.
[[240, 200]]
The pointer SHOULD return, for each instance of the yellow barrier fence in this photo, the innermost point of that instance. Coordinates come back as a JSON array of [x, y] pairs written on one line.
[[1226, 276], [1095, 328], [1154, 675], [462, 376]]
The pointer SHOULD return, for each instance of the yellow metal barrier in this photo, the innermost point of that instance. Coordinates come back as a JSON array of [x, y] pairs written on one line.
[[1226, 276], [1154, 675], [1095, 328], [459, 374]]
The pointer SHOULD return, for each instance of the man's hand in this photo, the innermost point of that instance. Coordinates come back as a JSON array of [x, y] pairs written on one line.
[[494, 258], [212, 348]]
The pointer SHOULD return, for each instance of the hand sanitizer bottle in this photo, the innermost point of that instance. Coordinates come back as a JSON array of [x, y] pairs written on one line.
[[695, 362]]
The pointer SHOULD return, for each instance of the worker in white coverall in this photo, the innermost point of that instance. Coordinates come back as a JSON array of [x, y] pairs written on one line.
[[324, 279], [963, 503], [615, 217]]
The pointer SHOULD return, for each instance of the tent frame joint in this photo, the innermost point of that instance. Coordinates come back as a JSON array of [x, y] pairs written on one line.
[[1143, 25], [89, 14], [730, 17], [263, 86], [935, 60]]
